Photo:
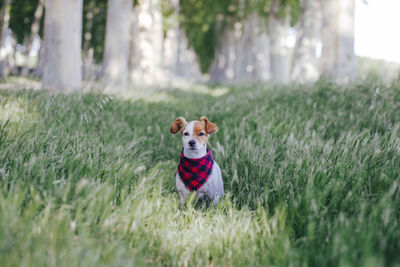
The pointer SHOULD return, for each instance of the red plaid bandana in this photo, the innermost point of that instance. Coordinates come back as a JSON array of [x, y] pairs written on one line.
[[195, 172]]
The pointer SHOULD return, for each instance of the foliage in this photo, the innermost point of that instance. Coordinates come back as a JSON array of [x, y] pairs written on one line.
[[98, 10], [22, 14], [199, 20], [169, 17], [203, 21], [292, 9], [311, 175]]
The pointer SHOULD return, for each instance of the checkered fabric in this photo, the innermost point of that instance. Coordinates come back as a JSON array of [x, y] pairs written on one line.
[[195, 172]]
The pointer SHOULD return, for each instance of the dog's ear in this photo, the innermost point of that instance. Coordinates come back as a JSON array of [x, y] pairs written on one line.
[[177, 125], [210, 127]]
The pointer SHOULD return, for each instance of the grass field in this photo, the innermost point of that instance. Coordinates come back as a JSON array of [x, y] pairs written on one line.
[[311, 174]]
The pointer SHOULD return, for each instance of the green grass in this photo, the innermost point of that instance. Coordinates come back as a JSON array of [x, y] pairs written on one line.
[[311, 174]]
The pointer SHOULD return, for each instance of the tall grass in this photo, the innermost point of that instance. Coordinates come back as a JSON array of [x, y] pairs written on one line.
[[311, 175]]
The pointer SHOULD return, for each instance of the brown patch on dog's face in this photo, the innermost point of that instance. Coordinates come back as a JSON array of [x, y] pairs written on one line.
[[178, 125], [210, 127], [200, 133]]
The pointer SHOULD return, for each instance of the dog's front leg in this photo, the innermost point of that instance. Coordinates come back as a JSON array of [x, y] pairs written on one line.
[[181, 197], [215, 200]]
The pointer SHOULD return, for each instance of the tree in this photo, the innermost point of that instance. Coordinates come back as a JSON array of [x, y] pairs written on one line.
[[198, 19], [35, 27], [338, 57], [278, 23], [4, 18], [62, 45], [242, 45], [116, 53], [243, 52], [179, 59], [147, 43], [305, 63]]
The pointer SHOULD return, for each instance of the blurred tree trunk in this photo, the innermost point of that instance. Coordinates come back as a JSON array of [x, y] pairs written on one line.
[[62, 45], [338, 58], [4, 19], [254, 60], [243, 52], [222, 69], [305, 63], [34, 31], [147, 43], [40, 65], [179, 59], [116, 52], [278, 25]]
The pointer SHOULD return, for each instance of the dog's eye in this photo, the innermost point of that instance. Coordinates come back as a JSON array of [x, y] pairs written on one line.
[[201, 134], [186, 134]]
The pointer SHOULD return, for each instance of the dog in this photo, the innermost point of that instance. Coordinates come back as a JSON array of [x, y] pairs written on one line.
[[197, 170]]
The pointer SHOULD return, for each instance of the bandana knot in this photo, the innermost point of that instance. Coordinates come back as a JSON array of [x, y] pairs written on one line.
[[194, 173]]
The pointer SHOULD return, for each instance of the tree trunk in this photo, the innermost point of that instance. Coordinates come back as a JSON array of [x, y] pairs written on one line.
[[305, 63], [338, 58], [4, 19], [147, 43], [62, 45], [222, 69], [34, 31], [279, 53], [179, 59], [40, 65], [254, 62], [116, 52], [243, 53]]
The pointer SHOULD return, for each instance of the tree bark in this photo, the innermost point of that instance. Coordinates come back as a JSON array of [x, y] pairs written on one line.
[[179, 59], [243, 53], [338, 57], [4, 19], [147, 43], [116, 52], [279, 53], [62, 46], [305, 63], [40, 65]]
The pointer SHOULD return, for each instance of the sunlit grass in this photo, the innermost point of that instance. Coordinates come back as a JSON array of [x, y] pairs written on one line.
[[164, 91], [311, 175]]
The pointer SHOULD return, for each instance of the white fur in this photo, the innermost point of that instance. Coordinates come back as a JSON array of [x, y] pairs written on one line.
[[214, 187], [199, 150]]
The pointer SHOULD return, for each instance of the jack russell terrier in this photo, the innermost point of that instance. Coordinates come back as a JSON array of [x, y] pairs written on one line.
[[197, 171]]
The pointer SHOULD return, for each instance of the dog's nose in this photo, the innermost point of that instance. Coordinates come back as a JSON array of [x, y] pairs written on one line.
[[192, 143]]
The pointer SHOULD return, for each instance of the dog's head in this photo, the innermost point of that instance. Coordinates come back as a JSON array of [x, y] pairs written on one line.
[[194, 134]]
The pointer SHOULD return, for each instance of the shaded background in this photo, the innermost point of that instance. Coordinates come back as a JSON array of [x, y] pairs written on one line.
[[127, 43]]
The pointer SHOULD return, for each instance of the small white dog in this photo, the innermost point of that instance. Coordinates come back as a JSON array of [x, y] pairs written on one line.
[[197, 171]]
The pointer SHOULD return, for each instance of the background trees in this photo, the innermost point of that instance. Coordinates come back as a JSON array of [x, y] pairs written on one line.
[[4, 16], [156, 40], [147, 42], [338, 58], [305, 61], [62, 45], [116, 54]]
